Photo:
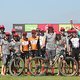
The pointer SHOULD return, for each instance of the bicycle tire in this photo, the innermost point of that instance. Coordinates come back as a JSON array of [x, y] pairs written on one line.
[[16, 66], [68, 61], [32, 66]]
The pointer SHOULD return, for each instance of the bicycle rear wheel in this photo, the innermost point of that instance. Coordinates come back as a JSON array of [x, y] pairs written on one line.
[[68, 66], [16, 66], [37, 66]]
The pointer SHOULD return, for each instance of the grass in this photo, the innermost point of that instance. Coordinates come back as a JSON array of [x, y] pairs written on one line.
[[8, 77]]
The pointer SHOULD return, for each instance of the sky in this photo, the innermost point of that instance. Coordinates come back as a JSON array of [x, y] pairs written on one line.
[[38, 11]]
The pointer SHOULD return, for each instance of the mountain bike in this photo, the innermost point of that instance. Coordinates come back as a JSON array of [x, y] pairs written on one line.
[[16, 65], [66, 65]]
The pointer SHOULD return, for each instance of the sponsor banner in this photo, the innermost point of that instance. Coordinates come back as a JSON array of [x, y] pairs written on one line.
[[65, 26], [77, 26], [30, 27], [18, 27], [45, 27]]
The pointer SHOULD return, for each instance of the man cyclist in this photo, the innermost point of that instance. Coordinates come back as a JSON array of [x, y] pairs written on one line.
[[4, 49], [2, 31], [51, 45], [75, 47], [34, 44]]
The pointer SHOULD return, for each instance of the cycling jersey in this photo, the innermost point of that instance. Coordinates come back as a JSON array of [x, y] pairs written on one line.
[[42, 41], [33, 43], [5, 46], [15, 45], [25, 44], [75, 42], [50, 41], [2, 35]]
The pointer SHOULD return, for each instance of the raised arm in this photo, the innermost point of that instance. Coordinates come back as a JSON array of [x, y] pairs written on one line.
[[76, 28]]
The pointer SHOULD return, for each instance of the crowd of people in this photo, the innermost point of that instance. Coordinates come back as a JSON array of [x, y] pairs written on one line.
[[40, 43]]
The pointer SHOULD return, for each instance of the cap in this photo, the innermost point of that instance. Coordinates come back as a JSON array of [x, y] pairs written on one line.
[[74, 31], [58, 32], [24, 33], [62, 29], [16, 35], [2, 27], [50, 27], [7, 33], [33, 31], [42, 30], [69, 31], [13, 30]]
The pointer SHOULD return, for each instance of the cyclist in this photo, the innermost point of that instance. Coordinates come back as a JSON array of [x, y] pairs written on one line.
[[75, 46], [33, 44], [2, 32], [69, 38], [50, 45], [58, 38], [37, 32], [63, 40], [78, 33], [13, 31], [15, 43], [42, 40], [4, 48], [62, 45], [25, 48]]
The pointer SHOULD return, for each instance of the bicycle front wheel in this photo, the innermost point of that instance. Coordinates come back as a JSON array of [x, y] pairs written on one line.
[[68, 66], [16, 66], [37, 66]]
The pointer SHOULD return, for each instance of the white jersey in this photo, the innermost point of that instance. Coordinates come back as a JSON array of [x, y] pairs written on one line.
[[75, 42], [50, 38], [42, 42]]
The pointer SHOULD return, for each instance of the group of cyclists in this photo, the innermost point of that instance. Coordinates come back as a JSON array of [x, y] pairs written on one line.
[[40, 43]]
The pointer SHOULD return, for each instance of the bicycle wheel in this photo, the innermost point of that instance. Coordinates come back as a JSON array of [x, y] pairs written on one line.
[[37, 66], [16, 66], [68, 66]]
